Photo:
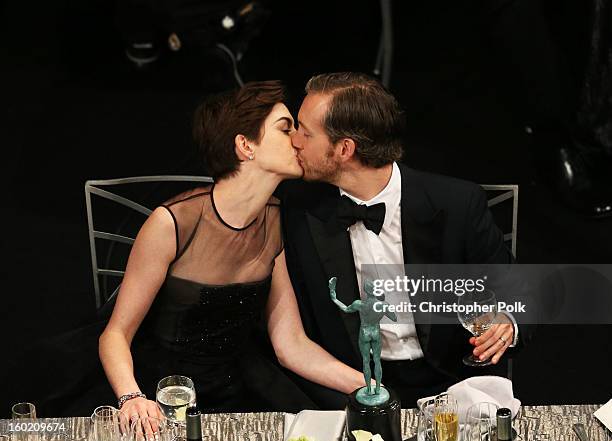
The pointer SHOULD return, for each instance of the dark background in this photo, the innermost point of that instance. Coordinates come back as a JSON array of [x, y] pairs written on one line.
[[74, 109]]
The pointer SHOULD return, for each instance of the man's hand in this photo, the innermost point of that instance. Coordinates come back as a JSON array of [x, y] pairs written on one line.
[[494, 342]]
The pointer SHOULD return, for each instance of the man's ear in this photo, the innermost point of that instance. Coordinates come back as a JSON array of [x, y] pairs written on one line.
[[347, 148], [243, 148]]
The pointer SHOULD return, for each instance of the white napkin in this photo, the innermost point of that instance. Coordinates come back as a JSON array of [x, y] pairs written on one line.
[[486, 388], [322, 425], [604, 414]]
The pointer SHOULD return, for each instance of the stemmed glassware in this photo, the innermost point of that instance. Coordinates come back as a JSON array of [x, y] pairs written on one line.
[[174, 395], [481, 422], [477, 313], [445, 418]]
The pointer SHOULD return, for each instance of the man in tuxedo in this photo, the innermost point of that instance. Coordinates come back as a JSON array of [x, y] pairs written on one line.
[[358, 205]]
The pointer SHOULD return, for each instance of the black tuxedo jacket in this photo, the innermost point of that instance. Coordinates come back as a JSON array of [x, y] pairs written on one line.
[[444, 220]]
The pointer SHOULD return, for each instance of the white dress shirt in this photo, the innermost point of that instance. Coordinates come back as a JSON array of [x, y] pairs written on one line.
[[399, 340], [383, 255]]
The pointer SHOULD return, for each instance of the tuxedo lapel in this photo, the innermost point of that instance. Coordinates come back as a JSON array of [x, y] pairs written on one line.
[[333, 246], [422, 224], [422, 235]]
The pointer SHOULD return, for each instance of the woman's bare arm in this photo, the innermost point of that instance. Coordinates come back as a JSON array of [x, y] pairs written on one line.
[[293, 348], [151, 254]]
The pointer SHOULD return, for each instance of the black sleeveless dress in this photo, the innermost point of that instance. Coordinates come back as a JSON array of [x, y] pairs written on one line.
[[206, 322]]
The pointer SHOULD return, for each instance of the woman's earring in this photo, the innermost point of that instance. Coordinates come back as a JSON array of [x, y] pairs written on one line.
[[251, 156]]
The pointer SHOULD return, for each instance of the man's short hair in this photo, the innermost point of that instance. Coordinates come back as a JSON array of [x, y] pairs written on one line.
[[363, 110], [221, 117]]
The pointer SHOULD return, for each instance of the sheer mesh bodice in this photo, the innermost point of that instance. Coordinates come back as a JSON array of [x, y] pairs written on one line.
[[209, 251], [217, 286]]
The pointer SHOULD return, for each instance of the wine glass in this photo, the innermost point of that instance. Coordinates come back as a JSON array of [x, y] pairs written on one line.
[[477, 312], [174, 395], [110, 424], [446, 418], [481, 422]]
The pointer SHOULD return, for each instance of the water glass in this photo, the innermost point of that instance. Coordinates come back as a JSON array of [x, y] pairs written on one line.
[[425, 421], [481, 422], [110, 424], [23, 410]]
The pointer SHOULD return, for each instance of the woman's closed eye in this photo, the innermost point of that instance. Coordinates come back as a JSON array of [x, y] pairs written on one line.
[[288, 129], [285, 125]]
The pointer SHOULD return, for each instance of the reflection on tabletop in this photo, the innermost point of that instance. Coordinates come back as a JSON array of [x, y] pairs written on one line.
[[533, 423]]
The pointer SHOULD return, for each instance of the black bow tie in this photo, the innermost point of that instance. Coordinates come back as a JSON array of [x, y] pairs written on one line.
[[350, 212]]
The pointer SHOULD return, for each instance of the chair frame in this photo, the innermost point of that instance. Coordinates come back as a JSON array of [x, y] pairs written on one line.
[[384, 56], [96, 187], [511, 192]]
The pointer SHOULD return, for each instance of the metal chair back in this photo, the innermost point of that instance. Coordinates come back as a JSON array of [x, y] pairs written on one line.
[[503, 202], [137, 197]]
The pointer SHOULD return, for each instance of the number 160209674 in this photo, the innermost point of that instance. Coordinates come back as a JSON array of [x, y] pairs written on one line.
[[35, 426]]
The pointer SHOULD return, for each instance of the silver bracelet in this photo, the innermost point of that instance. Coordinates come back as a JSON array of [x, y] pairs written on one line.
[[126, 397]]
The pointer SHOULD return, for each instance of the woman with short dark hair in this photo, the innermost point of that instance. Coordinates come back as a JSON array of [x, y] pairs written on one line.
[[208, 263]]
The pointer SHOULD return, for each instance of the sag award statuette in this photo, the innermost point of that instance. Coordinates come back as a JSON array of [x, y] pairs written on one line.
[[375, 410]]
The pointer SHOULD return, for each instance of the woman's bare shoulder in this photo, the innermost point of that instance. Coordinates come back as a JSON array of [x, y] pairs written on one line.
[[160, 224], [189, 195]]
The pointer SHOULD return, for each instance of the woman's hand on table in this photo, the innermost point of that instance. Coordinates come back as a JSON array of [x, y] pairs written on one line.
[[141, 408]]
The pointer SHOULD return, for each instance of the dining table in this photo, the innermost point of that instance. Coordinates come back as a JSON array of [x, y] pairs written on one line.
[[532, 423]]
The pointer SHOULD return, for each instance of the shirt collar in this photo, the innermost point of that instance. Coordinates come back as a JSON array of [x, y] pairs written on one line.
[[391, 195]]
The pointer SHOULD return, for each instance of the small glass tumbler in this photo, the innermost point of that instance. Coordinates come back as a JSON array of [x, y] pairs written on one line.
[[110, 424], [23, 410], [426, 421]]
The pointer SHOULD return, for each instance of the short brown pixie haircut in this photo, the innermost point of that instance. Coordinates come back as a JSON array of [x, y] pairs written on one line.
[[221, 117], [363, 110]]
